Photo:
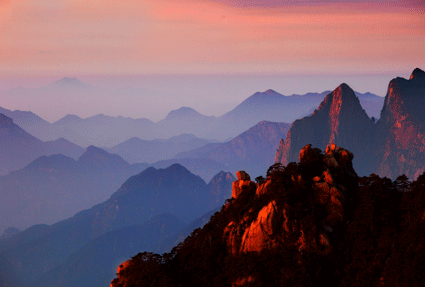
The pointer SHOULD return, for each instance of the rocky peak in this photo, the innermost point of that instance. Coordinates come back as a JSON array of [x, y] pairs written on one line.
[[401, 128], [405, 98], [417, 73], [336, 104], [243, 185], [340, 119]]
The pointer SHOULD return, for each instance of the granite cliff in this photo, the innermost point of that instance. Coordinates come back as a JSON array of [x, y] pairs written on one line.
[[400, 141], [394, 145], [340, 119]]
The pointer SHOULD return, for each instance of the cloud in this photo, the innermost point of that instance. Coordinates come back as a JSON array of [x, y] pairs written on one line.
[[203, 36], [280, 3]]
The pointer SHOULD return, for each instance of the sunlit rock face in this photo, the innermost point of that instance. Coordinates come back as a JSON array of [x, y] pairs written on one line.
[[400, 141], [328, 178], [243, 184], [120, 278], [340, 119]]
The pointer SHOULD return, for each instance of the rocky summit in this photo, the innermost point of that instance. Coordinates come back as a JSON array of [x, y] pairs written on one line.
[[394, 145], [400, 140], [340, 119]]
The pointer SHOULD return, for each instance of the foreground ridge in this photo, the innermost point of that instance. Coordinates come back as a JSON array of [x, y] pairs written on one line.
[[309, 223]]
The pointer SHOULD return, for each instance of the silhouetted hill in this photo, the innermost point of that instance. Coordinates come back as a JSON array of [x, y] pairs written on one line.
[[106, 131], [53, 188], [137, 150], [203, 167], [101, 130], [151, 193], [69, 83], [19, 148], [25, 119], [95, 263]]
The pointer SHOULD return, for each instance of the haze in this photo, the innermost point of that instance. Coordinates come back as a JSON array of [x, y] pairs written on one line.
[[209, 55]]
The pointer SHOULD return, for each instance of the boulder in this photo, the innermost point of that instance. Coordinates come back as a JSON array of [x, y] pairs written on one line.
[[243, 184]]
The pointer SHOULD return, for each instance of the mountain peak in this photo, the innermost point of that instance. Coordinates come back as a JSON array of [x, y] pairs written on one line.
[[185, 113], [265, 94], [69, 118], [340, 119], [69, 83], [176, 168], [342, 97], [271, 92], [101, 158], [417, 73]]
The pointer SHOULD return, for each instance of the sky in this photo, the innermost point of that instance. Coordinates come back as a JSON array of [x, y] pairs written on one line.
[[107, 41]]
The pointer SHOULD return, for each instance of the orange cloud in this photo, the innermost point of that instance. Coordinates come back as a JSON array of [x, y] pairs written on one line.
[[180, 36]]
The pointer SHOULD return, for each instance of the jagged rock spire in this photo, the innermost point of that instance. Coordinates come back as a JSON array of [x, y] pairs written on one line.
[[340, 119]]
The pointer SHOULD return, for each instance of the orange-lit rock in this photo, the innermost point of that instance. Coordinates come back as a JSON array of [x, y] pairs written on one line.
[[243, 184], [259, 235]]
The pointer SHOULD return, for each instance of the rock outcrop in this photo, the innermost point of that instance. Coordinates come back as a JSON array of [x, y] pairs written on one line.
[[243, 184], [329, 178]]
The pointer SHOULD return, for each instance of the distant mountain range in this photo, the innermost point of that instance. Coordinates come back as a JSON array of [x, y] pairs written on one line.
[[152, 209], [148, 205], [55, 187], [106, 131], [19, 148], [136, 150]]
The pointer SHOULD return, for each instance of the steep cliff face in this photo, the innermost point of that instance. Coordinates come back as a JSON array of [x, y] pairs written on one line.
[[400, 141], [339, 119]]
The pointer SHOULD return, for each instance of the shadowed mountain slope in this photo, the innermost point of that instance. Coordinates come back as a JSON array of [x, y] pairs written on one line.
[[19, 148], [55, 187], [95, 263], [153, 192], [252, 150], [137, 150], [400, 140]]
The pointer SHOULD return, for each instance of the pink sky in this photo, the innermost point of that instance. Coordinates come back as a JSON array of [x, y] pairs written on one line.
[[93, 37]]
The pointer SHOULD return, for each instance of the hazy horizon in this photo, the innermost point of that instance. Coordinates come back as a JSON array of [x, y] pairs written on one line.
[[206, 54], [154, 96]]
